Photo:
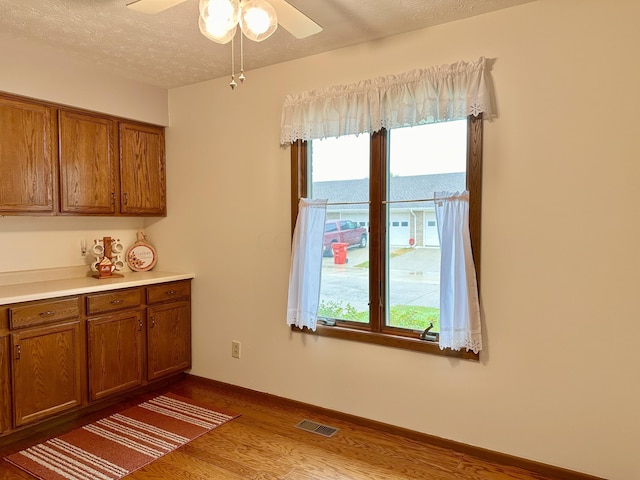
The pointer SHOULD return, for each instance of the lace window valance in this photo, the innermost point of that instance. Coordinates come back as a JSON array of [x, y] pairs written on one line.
[[446, 92]]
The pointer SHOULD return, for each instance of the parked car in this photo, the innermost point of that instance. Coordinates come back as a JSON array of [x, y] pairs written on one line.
[[343, 231]]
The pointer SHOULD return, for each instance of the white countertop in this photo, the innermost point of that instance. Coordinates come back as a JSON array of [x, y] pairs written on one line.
[[60, 287]]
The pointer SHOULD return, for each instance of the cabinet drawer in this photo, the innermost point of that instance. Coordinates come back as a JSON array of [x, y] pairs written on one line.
[[169, 292], [40, 313], [116, 300]]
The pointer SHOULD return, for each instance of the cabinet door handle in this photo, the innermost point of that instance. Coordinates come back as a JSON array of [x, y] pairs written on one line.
[[48, 313], [153, 322], [126, 198], [116, 302], [139, 325], [18, 351], [113, 198]]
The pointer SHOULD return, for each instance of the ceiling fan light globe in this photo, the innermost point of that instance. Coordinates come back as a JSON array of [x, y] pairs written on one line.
[[220, 8], [258, 20], [216, 31]]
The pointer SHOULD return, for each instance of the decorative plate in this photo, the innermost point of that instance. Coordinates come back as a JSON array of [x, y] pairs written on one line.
[[141, 256]]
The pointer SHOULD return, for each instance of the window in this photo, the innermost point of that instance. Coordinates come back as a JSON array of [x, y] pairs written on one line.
[[386, 290], [369, 116]]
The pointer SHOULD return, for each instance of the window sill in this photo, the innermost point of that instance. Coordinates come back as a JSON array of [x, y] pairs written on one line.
[[395, 341]]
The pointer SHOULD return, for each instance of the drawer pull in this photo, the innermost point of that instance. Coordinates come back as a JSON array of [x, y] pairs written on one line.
[[171, 292], [116, 302], [18, 351], [48, 313]]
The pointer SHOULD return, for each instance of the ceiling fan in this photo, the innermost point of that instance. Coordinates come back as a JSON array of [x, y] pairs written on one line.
[[288, 17]]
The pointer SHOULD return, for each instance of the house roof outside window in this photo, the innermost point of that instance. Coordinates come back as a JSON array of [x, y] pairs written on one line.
[[401, 188]]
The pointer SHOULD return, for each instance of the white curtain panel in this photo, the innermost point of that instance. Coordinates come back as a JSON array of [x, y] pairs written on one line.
[[446, 92], [306, 263], [459, 303]]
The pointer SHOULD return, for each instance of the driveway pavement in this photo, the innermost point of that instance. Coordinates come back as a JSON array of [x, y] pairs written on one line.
[[414, 278]]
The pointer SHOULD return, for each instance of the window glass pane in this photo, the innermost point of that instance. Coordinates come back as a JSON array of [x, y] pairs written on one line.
[[422, 160], [339, 170]]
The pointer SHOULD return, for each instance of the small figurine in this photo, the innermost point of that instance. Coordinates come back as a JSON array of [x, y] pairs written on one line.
[[108, 264], [106, 267]]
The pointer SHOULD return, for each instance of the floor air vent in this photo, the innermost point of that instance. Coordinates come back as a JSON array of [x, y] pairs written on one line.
[[318, 428]]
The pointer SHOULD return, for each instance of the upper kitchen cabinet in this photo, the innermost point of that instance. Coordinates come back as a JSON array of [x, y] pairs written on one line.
[[142, 170], [57, 160], [27, 183], [88, 163]]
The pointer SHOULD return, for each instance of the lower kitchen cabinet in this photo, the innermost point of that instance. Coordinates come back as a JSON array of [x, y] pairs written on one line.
[[115, 353], [168, 339], [65, 353], [5, 384], [46, 371]]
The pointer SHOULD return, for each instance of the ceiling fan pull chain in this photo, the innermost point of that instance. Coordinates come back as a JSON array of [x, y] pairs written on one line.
[[241, 77], [233, 83]]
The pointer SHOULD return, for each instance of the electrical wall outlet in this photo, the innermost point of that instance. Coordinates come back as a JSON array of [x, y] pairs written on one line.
[[235, 349]]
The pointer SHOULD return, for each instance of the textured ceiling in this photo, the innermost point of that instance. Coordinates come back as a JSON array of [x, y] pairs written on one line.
[[168, 50]]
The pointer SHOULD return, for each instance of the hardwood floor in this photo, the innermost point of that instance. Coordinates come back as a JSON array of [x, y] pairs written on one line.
[[263, 444]]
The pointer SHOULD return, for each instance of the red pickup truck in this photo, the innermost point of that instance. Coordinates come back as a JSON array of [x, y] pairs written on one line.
[[343, 231]]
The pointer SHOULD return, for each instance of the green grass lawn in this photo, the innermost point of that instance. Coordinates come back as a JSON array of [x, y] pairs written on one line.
[[402, 316]]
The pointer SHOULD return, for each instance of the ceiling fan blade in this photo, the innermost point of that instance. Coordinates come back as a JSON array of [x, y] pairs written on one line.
[[152, 6], [293, 20]]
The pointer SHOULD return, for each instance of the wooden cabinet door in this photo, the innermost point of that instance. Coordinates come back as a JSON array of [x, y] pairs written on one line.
[[5, 385], [115, 353], [88, 163], [142, 170], [26, 157], [46, 370], [168, 339]]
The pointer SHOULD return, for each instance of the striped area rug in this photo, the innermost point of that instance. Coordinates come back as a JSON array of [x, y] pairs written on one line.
[[115, 446]]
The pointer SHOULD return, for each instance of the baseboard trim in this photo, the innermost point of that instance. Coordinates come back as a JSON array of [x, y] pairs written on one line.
[[551, 471]]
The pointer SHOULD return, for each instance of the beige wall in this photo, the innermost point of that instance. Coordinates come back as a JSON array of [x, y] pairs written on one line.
[[33, 70], [558, 380], [33, 243]]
